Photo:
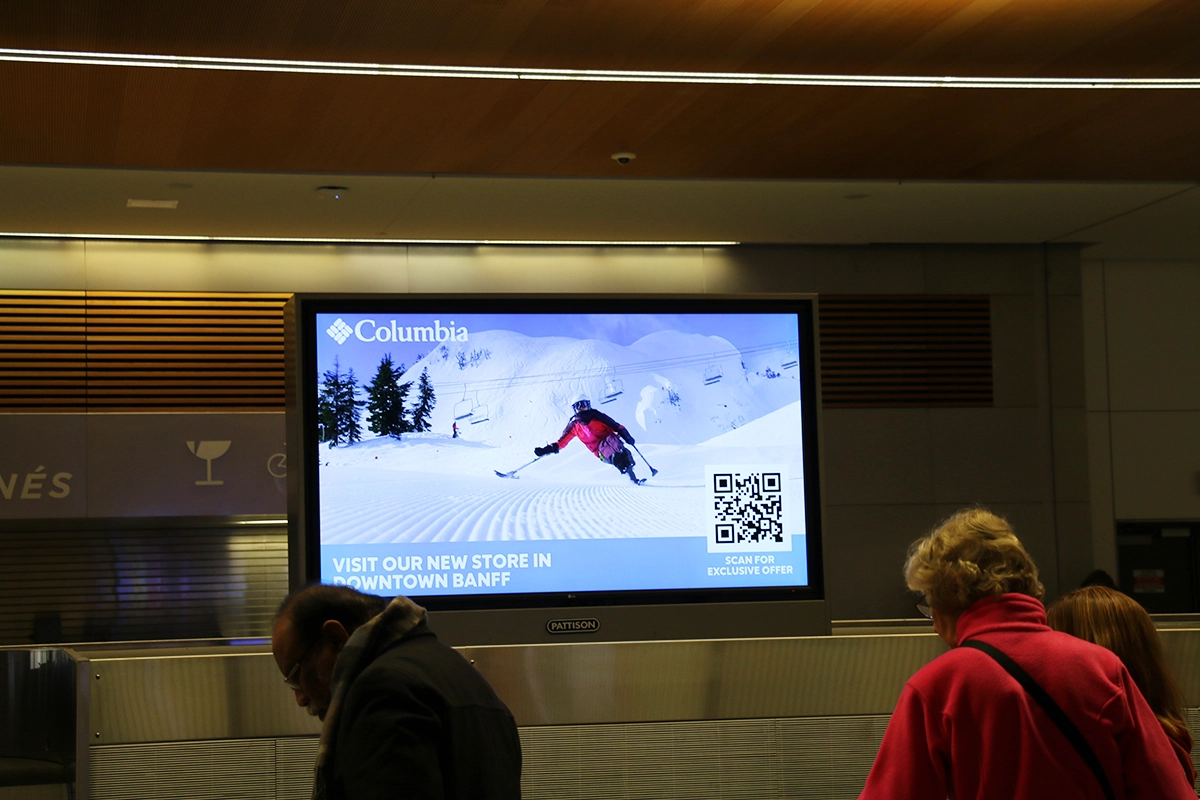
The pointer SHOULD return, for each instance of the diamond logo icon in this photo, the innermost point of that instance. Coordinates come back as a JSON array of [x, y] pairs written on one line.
[[339, 331]]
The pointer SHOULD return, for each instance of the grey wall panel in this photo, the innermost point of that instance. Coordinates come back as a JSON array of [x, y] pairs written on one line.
[[1154, 458], [823, 758], [294, 760], [198, 770], [827, 757], [1193, 715], [728, 759], [211, 770], [200, 697], [1182, 648], [729, 679], [1151, 319], [770, 718], [818, 758], [213, 695]]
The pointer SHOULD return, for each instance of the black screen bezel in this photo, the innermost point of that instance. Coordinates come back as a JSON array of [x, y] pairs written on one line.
[[309, 306]]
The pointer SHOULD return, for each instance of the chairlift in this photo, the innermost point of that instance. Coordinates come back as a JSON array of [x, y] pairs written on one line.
[[613, 388], [479, 414], [463, 408], [790, 360], [713, 374]]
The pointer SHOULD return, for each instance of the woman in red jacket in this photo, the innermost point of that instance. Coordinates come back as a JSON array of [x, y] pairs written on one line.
[[966, 728], [1118, 623]]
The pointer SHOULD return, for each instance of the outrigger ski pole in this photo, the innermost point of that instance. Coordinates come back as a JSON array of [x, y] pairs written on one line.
[[653, 471], [513, 474]]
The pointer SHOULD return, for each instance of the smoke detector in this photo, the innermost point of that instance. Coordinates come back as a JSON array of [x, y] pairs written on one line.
[[332, 192]]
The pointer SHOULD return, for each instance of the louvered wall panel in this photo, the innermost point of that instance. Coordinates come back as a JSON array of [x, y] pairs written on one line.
[[906, 350], [242, 769], [141, 351], [1193, 716], [820, 758], [294, 759], [812, 758], [154, 351], [42, 351], [125, 580]]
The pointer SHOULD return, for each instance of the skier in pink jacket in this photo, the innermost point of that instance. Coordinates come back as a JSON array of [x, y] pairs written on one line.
[[600, 434]]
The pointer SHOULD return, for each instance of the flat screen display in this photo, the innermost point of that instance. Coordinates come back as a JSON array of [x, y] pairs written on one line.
[[537, 450]]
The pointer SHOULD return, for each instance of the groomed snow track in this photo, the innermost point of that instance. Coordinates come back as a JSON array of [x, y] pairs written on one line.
[[416, 507]]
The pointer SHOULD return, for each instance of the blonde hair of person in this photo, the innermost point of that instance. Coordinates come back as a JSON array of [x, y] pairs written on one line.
[[972, 555], [1118, 623]]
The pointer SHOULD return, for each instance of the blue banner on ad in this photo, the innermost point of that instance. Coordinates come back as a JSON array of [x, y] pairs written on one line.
[[586, 565]]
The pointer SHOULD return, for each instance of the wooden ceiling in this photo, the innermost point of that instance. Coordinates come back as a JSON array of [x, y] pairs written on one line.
[[209, 120]]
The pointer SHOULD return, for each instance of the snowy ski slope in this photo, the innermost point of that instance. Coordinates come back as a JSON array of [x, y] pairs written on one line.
[[689, 400], [430, 488]]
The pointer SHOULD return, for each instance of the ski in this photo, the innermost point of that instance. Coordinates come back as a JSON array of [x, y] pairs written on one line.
[[513, 474]]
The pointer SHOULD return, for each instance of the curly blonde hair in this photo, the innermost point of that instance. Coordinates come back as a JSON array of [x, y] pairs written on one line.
[[972, 555]]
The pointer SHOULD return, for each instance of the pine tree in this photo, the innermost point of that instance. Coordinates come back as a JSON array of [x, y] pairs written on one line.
[[327, 421], [385, 400], [426, 400], [348, 408]]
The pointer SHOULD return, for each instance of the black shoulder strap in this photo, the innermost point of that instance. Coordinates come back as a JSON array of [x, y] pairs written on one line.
[[1052, 709]]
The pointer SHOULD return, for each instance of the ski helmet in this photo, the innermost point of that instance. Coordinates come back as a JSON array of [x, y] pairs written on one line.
[[580, 403]]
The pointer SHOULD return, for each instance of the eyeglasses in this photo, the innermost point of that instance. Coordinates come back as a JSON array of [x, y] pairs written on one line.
[[292, 679], [925, 610]]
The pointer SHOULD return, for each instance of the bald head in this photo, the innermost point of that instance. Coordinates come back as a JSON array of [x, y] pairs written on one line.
[[307, 610]]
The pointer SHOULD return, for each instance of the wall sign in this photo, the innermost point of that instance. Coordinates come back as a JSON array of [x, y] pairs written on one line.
[[134, 465], [1149, 581]]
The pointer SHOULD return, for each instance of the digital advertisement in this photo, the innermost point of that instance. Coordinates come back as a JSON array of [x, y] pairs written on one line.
[[464, 454]]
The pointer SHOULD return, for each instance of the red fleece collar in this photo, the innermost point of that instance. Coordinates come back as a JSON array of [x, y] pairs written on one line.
[[1002, 612]]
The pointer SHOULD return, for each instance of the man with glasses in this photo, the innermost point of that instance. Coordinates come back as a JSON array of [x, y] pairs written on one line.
[[404, 715]]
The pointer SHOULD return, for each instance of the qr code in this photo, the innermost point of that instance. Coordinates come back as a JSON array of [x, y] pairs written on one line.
[[748, 509]]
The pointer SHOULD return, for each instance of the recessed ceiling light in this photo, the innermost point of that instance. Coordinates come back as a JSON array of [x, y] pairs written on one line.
[[172, 204], [332, 192], [623, 157]]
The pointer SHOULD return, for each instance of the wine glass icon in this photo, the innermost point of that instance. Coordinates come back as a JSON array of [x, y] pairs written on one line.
[[209, 451]]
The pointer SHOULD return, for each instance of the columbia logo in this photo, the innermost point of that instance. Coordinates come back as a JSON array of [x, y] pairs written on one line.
[[339, 330]]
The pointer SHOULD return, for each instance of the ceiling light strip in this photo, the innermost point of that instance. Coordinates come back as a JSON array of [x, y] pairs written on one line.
[[139, 237], [590, 75]]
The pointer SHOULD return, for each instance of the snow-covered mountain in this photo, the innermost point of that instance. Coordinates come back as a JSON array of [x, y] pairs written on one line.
[[505, 388]]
